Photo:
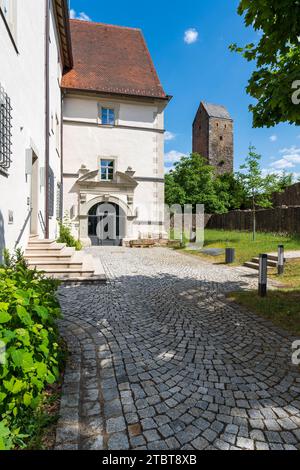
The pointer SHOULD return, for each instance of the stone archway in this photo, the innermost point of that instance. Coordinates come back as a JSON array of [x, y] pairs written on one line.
[[123, 212]]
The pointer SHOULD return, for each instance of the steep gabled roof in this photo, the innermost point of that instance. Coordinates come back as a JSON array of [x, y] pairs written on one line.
[[111, 59], [216, 110]]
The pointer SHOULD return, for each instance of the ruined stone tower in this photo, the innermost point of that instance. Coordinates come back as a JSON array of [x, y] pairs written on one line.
[[213, 136]]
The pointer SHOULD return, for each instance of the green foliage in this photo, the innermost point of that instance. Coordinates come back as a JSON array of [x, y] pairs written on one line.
[[28, 313], [193, 182], [66, 237], [258, 188], [231, 191], [277, 57]]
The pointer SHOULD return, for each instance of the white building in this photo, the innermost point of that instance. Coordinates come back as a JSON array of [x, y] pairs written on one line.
[[35, 50], [112, 164], [113, 136]]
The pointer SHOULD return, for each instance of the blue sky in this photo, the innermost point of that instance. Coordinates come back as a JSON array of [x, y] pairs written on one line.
[[189, 43]]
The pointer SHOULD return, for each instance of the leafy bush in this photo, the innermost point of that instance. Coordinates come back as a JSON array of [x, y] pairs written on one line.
[[28, 313], [66, 237]]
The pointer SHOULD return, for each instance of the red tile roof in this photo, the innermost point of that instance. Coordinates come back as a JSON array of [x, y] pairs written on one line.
[[111, 59]]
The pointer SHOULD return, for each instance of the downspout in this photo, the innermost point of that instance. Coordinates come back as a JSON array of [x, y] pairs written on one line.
[[47, 112], [62, 158]]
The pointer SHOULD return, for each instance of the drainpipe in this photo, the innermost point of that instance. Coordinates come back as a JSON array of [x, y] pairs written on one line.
[[61, 215], [47, 112]]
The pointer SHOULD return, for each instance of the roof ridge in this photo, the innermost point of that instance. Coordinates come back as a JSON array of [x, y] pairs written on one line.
[[108, 25]]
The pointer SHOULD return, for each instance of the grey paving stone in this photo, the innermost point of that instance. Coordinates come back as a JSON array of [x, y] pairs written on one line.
[[115, 424], [262, 446], [244, 443], [159, 346], [118, 441], [151, 435]]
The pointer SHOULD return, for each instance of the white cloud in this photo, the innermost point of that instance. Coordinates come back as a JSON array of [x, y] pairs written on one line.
[[191, 35], [290, 158], [270, 171], [282, 164], [81, 16], [169, 135], [173, 156], [273, 138]]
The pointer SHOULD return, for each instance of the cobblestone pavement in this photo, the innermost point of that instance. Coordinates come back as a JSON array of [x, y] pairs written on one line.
[[161, 361]]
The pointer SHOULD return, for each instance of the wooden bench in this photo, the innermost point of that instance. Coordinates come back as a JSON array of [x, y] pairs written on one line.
[[141, 243]]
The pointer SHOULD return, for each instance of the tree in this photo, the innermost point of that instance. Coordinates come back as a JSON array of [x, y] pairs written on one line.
[[193, 182], [258, 188], [231, 191], [277, 56], [174, 194], [285, 180]]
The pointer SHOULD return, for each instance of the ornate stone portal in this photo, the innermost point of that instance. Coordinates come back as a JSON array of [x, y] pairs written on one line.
[[93, 191]]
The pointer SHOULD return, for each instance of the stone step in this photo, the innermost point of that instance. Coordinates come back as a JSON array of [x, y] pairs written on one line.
[[65, 255], [68, 273], [58, 261], [44, 250], [252, 265], [95, 279], [39, 242], [44, 265], [271, 263]]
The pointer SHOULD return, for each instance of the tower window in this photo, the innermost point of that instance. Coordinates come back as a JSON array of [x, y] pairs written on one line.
[[221, 137]]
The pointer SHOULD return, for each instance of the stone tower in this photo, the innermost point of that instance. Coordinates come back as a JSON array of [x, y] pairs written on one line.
[[213, 136]]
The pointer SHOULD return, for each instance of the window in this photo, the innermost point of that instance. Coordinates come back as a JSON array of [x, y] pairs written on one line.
[[5, 131], [6, 8], [9, 11], [107, 170], [58, 134], [108, 116]]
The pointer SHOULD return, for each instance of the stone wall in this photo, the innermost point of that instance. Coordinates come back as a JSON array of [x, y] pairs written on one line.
[[277, 220], [221, 145]]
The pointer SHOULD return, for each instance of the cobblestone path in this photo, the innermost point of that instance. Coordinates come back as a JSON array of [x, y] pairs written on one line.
[[161, 361]]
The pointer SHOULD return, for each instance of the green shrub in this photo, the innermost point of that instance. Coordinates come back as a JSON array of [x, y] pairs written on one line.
[[66, 237], [28, 313]]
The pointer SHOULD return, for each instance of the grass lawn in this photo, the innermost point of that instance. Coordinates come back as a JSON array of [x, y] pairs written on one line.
[[281, 306], [245, 247]]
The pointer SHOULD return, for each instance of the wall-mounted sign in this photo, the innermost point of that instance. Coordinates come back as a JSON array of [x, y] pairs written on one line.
[[10, 217]]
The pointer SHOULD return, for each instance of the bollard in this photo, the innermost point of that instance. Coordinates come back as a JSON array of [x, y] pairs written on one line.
[[229, 255], [192, 236], [280, 265], [263, 275]]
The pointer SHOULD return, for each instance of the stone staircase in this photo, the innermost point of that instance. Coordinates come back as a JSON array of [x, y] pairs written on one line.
[[254, 263], [58, 261]]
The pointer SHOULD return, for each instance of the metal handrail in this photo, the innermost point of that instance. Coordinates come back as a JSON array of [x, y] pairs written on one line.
[[42, 222], [23, 228]]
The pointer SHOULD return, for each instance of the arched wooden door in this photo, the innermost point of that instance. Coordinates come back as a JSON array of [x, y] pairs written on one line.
[[106, 224]]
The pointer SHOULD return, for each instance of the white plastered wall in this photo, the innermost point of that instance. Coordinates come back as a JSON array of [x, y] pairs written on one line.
[[136, 141], [22, 75]]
